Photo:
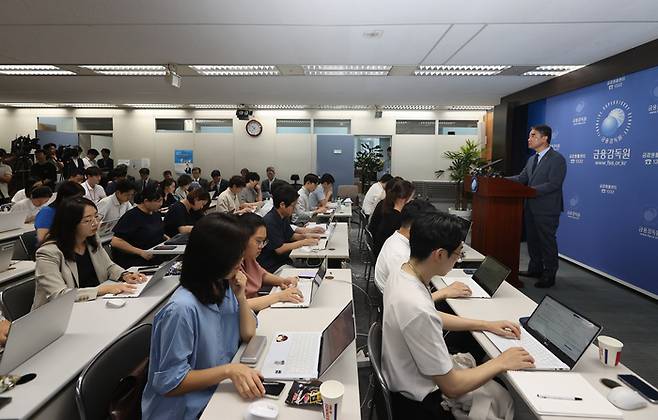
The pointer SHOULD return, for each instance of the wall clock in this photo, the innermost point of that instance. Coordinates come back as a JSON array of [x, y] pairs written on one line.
[[254, 128]]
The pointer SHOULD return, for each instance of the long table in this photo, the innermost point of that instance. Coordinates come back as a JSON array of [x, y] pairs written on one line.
[[342, 213], [511, 304], [17, 269], [92, 328], [337, 248], [331, 298]]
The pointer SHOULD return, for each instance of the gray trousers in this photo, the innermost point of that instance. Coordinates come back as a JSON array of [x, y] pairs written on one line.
[[542, 243]]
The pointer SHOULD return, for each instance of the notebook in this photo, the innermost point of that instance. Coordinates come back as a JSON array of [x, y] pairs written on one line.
[[563, 384], [485, 281], [308, 355]]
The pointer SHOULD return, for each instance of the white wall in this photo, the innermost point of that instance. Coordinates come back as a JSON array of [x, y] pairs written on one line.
[[134, 137]]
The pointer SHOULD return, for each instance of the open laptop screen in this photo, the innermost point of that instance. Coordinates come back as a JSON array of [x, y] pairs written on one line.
[[563, 328], [465, 227], [336, 337], [490, 275]]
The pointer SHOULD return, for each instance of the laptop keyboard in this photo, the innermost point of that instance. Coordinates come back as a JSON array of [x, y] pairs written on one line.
[[301, 355], [544, 359]]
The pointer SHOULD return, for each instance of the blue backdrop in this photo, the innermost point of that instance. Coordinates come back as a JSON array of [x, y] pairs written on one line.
[[608, 133]]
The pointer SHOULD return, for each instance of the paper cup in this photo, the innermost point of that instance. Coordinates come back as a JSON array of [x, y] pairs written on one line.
[[609, 350], [332, 397]]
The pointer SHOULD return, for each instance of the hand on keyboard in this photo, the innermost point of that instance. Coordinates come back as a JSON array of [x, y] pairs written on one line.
[[291, 294], [516, 358], [506, 329]]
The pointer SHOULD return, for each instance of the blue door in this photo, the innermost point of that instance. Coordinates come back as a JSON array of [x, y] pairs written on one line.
[[335, 155]]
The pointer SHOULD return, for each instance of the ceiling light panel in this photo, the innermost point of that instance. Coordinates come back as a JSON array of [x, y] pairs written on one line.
[[213, 106], [127, 70], [342, 107], [87, 105], [278, 106], [36, 70], [346, 70], [410, 107], [552, 70], [460, 70], [26, 105], [471, 107], [153, 106], [256, 70]]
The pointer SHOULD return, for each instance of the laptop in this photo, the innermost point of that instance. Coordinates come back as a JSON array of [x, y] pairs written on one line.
[[141, 287], [178, 239], [32, 332], [106, 227], [485, 281], [308, 355], [556, 336], [465, 227], [6, 253], [323, 242], [308, 287], [10, 220]]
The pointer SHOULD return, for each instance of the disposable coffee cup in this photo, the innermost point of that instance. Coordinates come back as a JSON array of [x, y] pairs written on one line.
[[332, 399], [609, 350]]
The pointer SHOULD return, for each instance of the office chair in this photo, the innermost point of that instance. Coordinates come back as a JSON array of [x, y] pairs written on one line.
[[294, 178], [381, 396], [16, 300], [28, 242], [115, 379]]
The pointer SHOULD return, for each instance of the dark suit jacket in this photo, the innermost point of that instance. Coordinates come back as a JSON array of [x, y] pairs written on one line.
[[218, 189], [265, 185], [203, 182], [547, 181], [150, 183]]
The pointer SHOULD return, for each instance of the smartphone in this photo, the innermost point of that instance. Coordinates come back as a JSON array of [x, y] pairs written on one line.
[[646, 390], [164, 247], [273, 389], [6, 400]]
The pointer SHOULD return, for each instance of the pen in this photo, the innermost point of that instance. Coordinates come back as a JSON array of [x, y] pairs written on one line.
[[559, 397]]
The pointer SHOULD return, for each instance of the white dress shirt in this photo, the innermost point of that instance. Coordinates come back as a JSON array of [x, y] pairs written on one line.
[[393, 254], [95, 194], [111, 209], [374, 195]]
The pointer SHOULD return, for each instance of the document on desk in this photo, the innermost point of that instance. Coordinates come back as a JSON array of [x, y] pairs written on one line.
[[561, 386]]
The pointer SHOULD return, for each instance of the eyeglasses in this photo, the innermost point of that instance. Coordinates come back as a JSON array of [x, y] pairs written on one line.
[[92, 220], [261, 244]]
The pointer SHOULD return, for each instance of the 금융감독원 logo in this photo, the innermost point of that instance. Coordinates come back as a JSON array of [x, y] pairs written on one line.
[[613, 122]]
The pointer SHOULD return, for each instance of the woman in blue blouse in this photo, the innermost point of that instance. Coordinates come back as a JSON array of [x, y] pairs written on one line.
[[197, 333]]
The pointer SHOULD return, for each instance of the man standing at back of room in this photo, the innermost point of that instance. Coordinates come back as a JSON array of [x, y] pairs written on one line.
[[544, 172], [266, 185]]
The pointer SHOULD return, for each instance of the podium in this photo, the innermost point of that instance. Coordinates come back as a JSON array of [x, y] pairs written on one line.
[[498, 219]]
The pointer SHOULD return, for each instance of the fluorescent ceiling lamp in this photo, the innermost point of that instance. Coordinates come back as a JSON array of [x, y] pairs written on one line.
[[27, 105], [475, 70], [256, 70], [127, 70], [471, 107], [155, 106], [552, 70], [410, 107], [342, 107], [213, 106], [36, 70], [346, 70], [87, 105], [278, 106]]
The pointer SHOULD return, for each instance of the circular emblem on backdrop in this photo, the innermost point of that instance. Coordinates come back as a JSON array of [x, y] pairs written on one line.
[[573, 201], [613, 122], [654, 91], [580, 106], [650, 215]]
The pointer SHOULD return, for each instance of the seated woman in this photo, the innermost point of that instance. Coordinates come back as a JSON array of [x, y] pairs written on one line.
[[46, 215], [184, 182], [257, 275], [182, 216], [197, 333], [167, 188], [71, 257], [389, 212], [138, 230]]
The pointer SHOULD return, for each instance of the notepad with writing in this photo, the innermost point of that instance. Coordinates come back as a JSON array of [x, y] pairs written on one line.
[[562, 385]]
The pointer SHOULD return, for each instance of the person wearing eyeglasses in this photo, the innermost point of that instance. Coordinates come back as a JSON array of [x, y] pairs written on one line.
[[72, 258], [257, 276]]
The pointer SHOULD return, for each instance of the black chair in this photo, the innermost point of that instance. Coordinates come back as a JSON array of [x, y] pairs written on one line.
[[118, 370], [363, 223], [16, 300], [28, 242], [381, 396], [294, 178], [369, 259]]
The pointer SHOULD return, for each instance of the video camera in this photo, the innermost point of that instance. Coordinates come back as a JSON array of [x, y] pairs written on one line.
[[23, 146]]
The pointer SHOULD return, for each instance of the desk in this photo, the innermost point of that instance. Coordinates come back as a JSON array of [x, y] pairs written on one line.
[[510, 303], [17, 269], [15, 233], [92, 328], [337, 249], [344, 213], [179, 250], [332, 296]]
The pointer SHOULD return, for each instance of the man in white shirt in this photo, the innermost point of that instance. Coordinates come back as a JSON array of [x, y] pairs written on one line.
[[5, 175], [229, 201], [117, 204], [303, 210], [375, 194], [39, 197], [416, 363], [92, 187], [90, 159], [395, 252], [324, 192]]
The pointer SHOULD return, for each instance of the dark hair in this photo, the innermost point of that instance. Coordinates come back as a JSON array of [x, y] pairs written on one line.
[[544, 130], [432, 231], [215, 173], [144, 171], [67, 217], [124, 186], [312, 178], [75, 172], [413, 210], [93, 171], [167, 171], [396, 189], [29, 185], [251, 222], [276, 184], [41, 192], [68, 189], [284, 194], [196, 168], [385, 178], [106, 150], [270, 168], [39, 151], [3, 153], [93, 152], [236, 181], [244, 171], [150, 193], [388, 149], [252, 176], [327, 179], [198, 194], [184, 180], [219, 238], [120, 171], [166, 182]]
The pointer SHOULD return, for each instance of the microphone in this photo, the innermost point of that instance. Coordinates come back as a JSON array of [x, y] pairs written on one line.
[[478, 171]]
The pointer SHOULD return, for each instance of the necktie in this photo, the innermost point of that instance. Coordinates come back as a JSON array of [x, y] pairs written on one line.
[[535, 162]]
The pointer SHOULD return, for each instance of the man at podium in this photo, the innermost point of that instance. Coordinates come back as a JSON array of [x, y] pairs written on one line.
[[544, 172]]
